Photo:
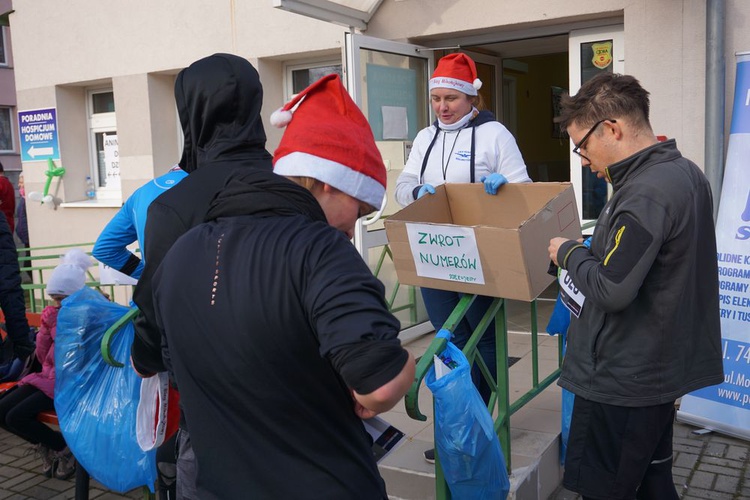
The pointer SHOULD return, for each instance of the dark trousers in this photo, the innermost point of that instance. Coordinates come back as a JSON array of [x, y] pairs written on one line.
[[620, 453], [187, 467], [18, 411], [166, 468], [440, 305]]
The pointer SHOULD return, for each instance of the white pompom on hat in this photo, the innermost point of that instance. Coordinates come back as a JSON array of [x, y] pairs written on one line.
[[329, 139], [458, 72], [70, 275]]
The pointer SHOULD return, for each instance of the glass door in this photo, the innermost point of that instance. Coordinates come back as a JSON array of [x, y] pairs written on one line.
[[591, 52], [388, 81]]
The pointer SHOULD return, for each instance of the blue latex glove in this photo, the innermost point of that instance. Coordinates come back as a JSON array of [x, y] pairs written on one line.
[[587, 242], [426, 188], [492, 182]]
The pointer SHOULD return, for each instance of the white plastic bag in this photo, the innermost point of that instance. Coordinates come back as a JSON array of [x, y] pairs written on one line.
[[151, 417]]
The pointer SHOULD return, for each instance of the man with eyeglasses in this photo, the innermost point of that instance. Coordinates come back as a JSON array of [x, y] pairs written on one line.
[[648, 329]]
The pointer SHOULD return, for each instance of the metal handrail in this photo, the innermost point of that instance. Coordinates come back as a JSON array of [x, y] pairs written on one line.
[[411, 304], [28, 254], [106, 345], [411, 399], [500, 388]]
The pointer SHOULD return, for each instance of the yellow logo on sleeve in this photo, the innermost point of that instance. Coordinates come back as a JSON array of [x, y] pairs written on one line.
[[618, 236]]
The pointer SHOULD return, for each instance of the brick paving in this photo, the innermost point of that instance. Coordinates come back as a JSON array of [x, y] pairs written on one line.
[[706, 467], [21, 476]]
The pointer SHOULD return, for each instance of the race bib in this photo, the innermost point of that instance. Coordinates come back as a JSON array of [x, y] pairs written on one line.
[[571, 296]]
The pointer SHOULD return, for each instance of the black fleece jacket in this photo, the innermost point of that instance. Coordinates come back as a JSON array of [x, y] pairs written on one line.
[[270, 317], [649, 331], [219, 102]]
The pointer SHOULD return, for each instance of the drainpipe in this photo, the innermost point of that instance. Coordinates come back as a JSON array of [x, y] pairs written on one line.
[[715, 90]]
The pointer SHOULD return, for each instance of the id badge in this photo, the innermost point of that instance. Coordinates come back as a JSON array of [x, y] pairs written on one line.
[[571, 296]]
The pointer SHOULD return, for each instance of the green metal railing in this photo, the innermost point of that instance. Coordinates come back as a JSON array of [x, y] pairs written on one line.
[[499, 403], [106, 344], [411, 303], [40, 261]]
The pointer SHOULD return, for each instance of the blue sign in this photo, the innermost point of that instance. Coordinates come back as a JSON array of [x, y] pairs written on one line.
[[741, 109], [726, 407], [735, 391], [38, 132]]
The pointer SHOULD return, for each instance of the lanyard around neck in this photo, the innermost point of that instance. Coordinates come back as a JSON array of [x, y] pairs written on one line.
[[432, 143], [450, 155]]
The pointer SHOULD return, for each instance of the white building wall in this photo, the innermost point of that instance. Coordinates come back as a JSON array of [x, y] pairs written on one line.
[[137, 46]]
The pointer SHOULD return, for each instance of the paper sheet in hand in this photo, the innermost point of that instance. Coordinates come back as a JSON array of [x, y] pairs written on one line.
[[109, 276], [440, 367], [385, 437]]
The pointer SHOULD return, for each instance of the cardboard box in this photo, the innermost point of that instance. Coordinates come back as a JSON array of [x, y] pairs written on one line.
[[463, 239]]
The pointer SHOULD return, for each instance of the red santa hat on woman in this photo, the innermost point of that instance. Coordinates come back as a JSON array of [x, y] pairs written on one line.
[[328, 138], [458, 72]]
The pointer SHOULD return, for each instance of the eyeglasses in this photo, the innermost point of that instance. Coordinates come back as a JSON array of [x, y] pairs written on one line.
[[577, 147]]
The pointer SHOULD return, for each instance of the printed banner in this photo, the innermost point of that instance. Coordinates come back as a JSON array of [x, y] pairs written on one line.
[[726, 407]]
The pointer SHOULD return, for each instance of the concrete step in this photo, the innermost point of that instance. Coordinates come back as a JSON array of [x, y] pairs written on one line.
[[536, 468]]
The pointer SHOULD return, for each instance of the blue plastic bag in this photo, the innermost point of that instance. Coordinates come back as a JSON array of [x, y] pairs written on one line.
[[568, 398], [559, 323], [96, 403], [467, 446]]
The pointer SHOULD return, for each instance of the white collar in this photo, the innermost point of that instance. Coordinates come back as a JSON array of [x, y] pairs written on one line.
[[460, 123]]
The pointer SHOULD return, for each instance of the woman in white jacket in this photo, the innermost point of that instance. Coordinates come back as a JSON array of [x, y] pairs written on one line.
[[464, 145]]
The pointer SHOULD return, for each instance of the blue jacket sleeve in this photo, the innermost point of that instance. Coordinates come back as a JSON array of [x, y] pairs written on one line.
[[111, 245]]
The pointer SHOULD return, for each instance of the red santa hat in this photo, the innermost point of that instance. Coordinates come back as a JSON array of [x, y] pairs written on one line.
[[328, 138], [458, 72]]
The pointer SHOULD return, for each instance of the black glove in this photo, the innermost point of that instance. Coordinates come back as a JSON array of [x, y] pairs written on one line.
[[23, 349]]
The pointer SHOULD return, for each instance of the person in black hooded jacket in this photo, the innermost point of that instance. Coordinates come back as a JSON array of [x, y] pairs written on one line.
[[219, 102], [279, 335]]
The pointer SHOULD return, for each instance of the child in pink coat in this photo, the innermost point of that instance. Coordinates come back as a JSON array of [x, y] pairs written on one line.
[[36, 391]]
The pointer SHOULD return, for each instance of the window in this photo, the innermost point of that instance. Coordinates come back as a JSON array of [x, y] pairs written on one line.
[[3, 44], [300, 76], [105, 170], [6, 129]]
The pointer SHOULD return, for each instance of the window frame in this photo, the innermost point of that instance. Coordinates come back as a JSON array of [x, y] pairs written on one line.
[[297, 65], [11, 128], [100, 123], [4, 49]]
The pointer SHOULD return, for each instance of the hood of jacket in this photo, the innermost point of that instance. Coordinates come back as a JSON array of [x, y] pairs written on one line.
[[219, 101], [263, 193]]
